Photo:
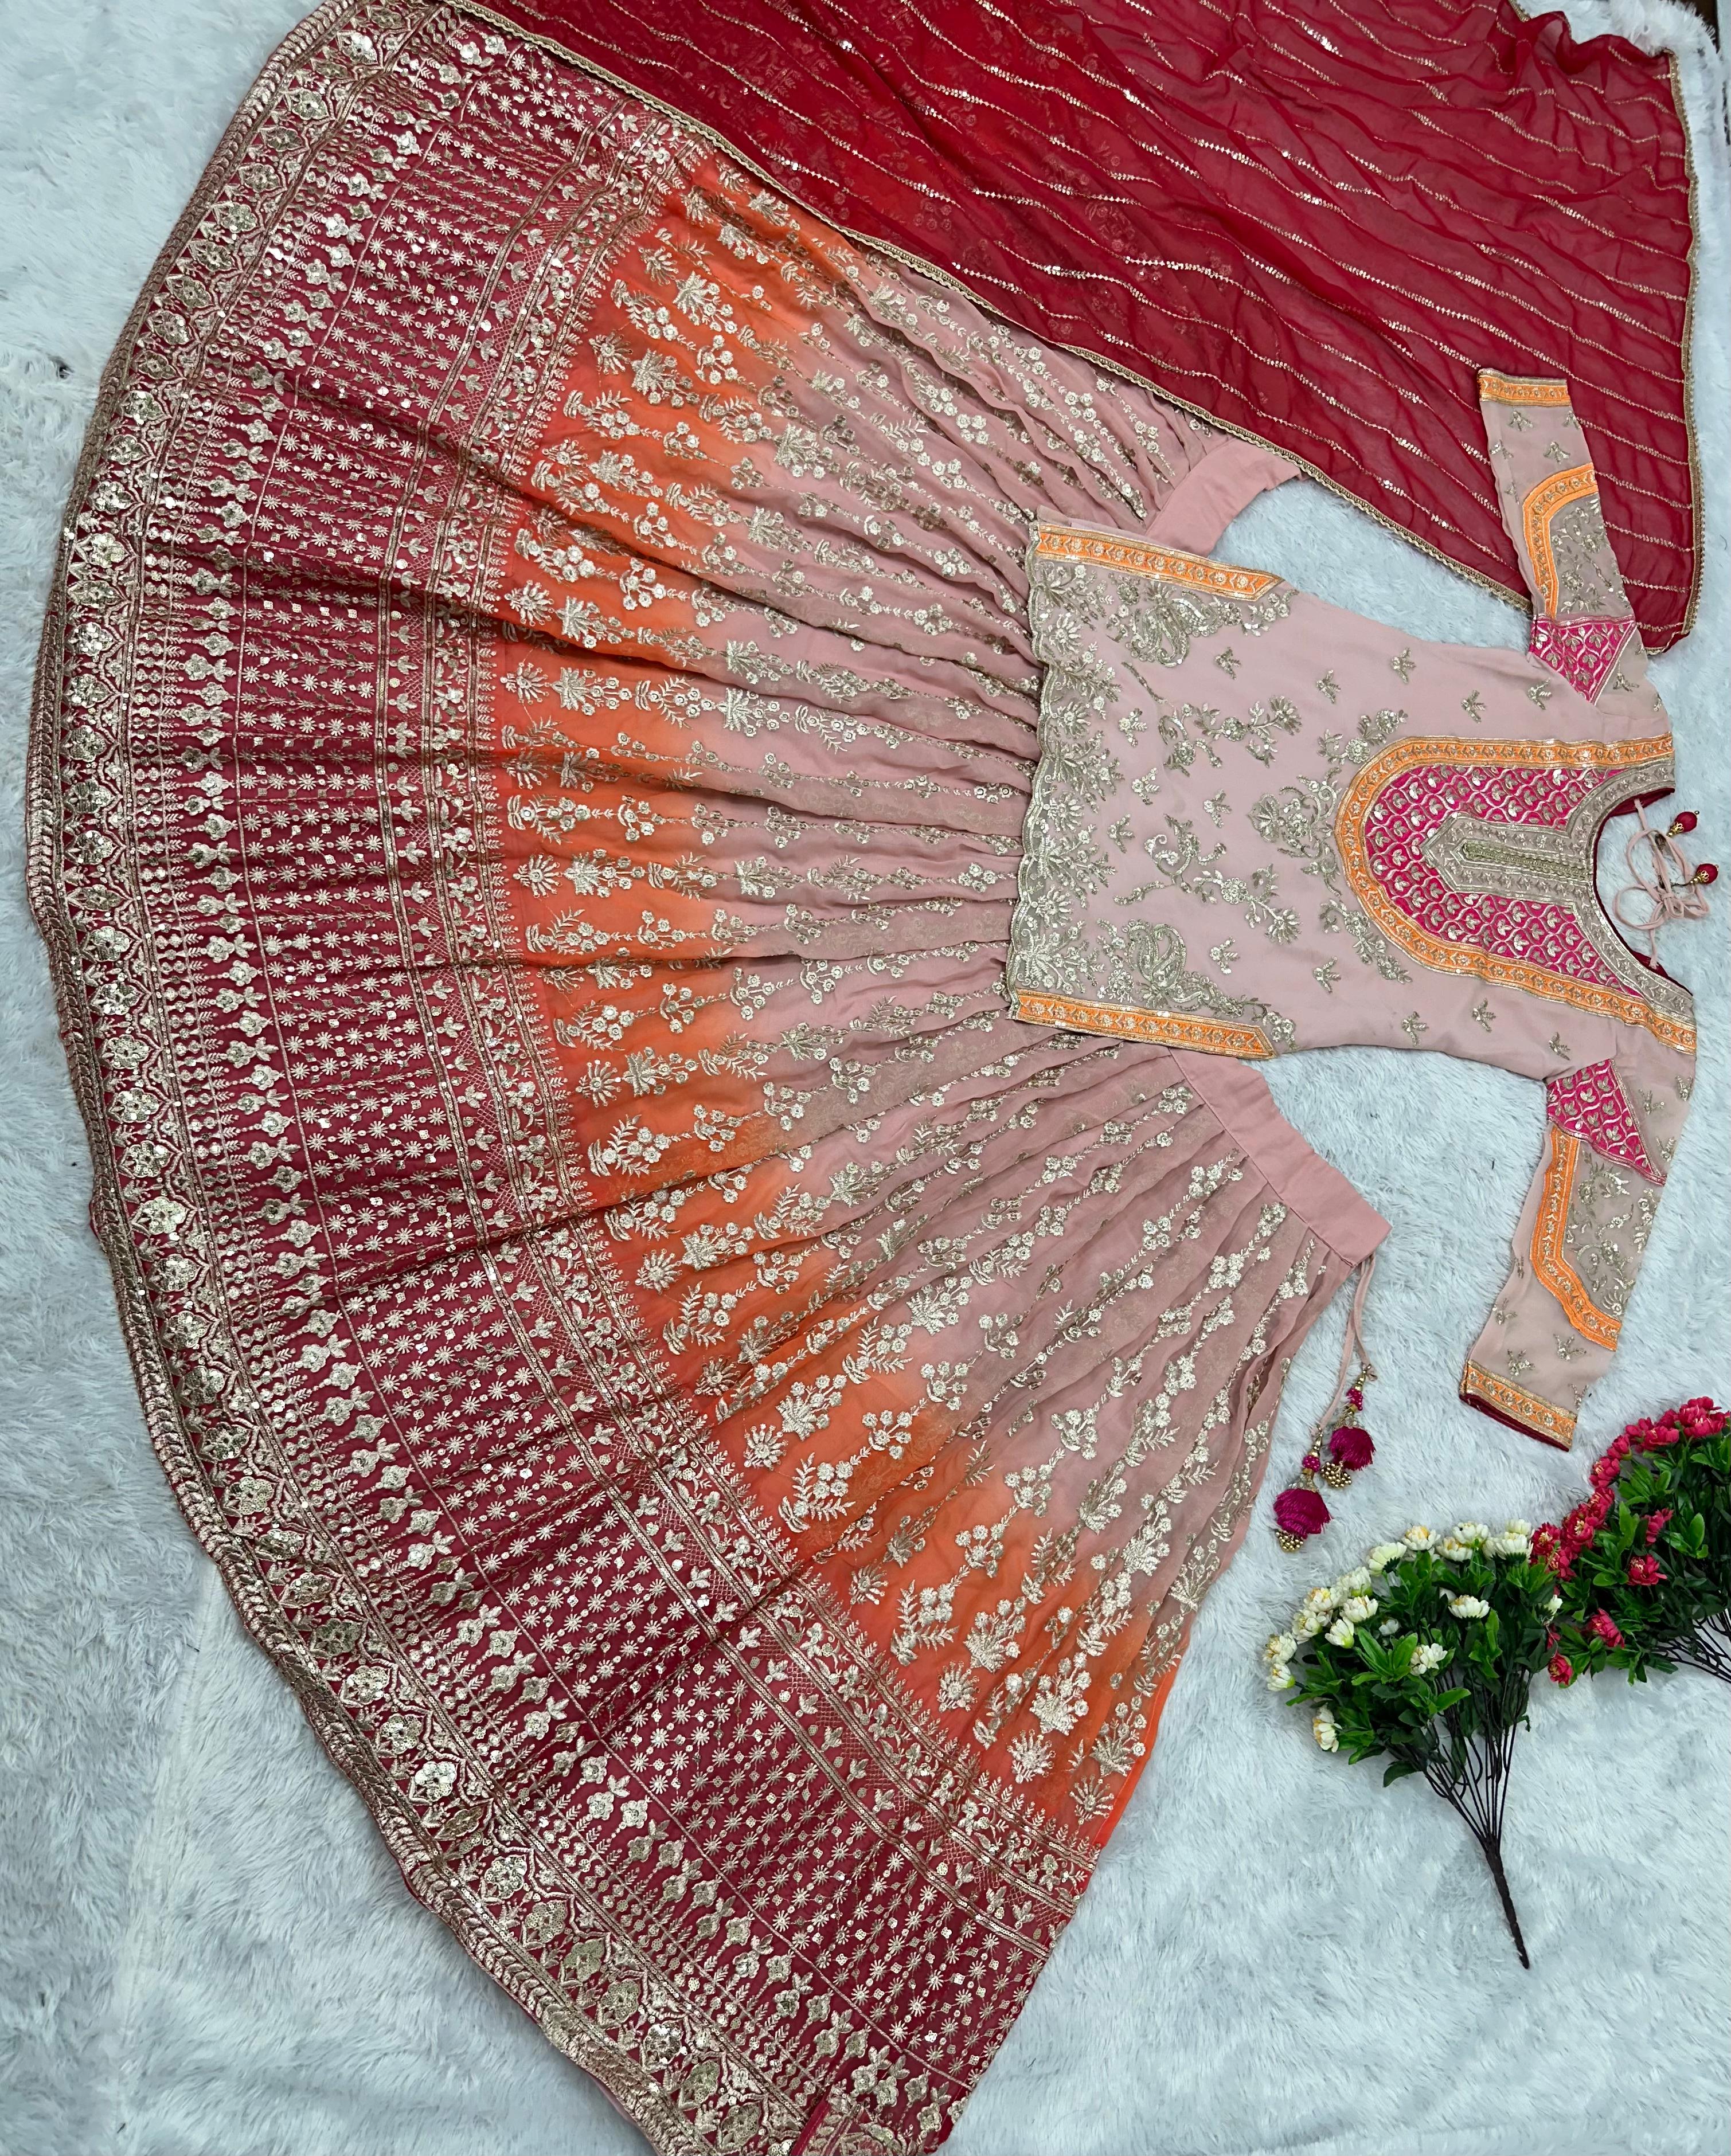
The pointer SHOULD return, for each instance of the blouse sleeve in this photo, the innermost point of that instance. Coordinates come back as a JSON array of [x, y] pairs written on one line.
[[1611, 1129]]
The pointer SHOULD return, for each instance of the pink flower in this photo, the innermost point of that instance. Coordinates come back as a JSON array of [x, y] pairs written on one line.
[[1660, 1434], [1603, 1626], [1351, 1447], [1701, 1418], [1300, 1512], [1657, 1523], [1644, 1572], [1549, 1548], [1585, 1520], [1562, 1670]]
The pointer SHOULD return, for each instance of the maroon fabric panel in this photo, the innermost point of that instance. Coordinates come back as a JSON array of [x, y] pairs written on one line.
[[1310, 220]]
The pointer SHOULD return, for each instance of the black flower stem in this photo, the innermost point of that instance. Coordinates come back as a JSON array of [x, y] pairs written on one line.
[[1494, 1857], [1708, 1648]]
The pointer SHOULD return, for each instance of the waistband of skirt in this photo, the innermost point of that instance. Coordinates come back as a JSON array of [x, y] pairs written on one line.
[[1298, 1175]]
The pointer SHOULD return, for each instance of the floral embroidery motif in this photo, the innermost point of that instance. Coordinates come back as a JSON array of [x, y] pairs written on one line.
[[1591, 1103]]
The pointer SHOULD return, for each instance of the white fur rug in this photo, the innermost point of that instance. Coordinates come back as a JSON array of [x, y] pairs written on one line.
[[206, 1951]]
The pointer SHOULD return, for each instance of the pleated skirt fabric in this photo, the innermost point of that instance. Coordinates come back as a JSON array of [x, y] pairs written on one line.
[[724, 1430]]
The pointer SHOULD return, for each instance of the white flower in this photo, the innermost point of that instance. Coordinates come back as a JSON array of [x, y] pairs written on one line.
[[1419, 1539], [1306, 1625], [1512, 1542], [1355, 1583], [1471, 1531], [1389, 1625], [1322, 1729], [1553, 1605], [1428, 1656], [1281, 1648], [1359, 1607], [1281, 1678], [1523, 1528], [1469, 1605], [1340, 1632], [1454, 1549], [1385, 1555]]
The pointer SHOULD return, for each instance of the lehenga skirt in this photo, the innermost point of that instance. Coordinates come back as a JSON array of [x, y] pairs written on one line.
[[724, 1430]]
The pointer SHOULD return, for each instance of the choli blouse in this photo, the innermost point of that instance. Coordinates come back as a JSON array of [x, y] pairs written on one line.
[[1262, 824]]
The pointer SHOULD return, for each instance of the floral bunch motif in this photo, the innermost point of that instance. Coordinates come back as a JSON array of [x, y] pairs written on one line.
[[1643, 1566], [1425, 1653]]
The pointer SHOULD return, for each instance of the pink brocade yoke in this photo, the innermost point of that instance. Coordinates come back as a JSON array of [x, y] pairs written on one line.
[[1261, 824], [1406, 816]]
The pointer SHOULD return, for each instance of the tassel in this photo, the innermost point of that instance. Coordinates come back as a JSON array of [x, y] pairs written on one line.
[[1300, 1511]]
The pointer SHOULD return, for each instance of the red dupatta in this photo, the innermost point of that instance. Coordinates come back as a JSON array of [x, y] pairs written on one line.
[[1312, 225]]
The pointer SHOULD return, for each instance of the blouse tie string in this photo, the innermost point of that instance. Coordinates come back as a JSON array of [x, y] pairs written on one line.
[[1662, 876]]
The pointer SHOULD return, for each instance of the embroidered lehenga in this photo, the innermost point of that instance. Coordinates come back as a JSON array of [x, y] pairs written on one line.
[[725, 1429], [724, 1426]]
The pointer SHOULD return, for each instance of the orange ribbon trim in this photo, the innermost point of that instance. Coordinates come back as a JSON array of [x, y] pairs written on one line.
[[1550, 1257], [1169, 1028], [1144, 559], [1555, 1424]]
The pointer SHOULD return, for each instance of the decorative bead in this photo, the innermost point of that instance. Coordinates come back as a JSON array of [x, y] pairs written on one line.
[[1311, 1462], [1288, 1542], [1336, 1477], [1682, 824], [1707, 873]]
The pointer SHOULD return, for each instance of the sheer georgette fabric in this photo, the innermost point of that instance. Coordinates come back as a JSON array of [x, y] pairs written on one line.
[[1311, 221], [724, 1430]]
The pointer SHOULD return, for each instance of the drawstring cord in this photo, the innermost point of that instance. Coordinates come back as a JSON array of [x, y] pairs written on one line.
[[1351, 1350], [1672, 889]]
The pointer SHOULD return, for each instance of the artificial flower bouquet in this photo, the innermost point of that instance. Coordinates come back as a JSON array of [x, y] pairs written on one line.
[[1643, 1566], [1425, 1653]]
